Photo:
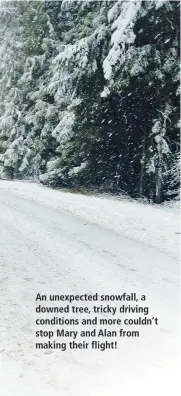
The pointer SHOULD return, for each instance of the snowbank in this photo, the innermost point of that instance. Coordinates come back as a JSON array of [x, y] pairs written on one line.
[[156, 226]]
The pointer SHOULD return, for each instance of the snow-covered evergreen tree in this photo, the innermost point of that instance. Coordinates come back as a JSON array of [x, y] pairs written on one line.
[[89, 93]]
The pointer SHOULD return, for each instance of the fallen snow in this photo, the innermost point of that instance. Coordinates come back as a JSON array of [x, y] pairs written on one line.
[[153, 225], [62, 243]]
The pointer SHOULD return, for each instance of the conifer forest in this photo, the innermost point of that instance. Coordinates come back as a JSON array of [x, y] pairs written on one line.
[[89, 95]]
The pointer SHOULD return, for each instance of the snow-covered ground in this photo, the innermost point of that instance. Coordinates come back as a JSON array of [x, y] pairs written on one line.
[[156, 226], [62, 243]]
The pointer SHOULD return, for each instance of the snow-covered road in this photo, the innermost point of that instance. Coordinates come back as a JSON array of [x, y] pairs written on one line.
[[59, 243]]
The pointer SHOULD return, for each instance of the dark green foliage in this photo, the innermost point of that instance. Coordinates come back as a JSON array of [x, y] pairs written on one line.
[[62, 126]]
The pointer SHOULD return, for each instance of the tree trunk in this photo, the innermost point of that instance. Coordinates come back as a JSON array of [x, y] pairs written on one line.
[[12, 173], [158, 194], [142, 167]]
